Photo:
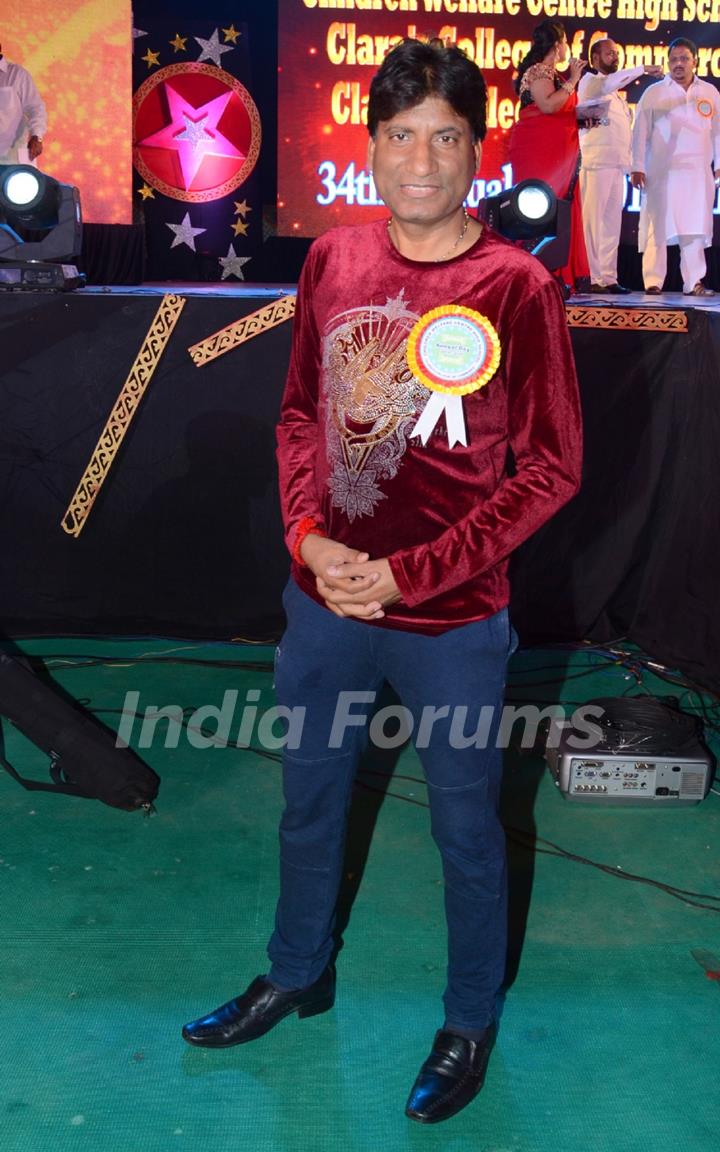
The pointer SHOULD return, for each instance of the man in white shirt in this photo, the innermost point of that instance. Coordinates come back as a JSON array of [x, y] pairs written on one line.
[[23, 119], [605, 162], [676, 146]]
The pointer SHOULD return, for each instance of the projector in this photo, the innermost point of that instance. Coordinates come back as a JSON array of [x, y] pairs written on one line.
[[598, 775]]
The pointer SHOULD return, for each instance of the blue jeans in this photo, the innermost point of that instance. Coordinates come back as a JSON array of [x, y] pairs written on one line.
[[322, 659]]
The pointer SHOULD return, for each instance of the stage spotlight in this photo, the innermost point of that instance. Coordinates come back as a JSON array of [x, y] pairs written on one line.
[[40, 231], [21, 188], [532, 214]]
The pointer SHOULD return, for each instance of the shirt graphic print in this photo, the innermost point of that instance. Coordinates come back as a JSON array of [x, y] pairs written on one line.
[[373, 401]]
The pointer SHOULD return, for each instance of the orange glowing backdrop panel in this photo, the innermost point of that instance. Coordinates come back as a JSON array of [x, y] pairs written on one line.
[[79, 53]]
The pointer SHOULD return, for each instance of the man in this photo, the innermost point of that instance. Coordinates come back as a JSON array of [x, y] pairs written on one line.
[[605, 152], [676, 142], [23, 120], [401, 514]]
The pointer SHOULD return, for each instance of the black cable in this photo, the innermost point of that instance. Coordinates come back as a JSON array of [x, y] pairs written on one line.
[[562, 679], [642, 712], [646, 724], [513, 834], [84, 660], [555, 850], [530, 842]]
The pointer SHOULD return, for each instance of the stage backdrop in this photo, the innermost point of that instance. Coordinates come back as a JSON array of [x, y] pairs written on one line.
[[196, 144], [78, 54], [328, 51]]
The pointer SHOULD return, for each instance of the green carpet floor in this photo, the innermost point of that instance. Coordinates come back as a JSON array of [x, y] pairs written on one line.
[[118, 927]]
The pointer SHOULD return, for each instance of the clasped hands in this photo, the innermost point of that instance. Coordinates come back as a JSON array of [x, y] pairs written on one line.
[[350, 583]]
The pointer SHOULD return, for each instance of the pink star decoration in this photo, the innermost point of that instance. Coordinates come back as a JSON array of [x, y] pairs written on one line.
[[193, 133]]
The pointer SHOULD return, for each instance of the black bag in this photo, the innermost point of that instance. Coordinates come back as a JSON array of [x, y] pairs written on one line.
[[84, 758]]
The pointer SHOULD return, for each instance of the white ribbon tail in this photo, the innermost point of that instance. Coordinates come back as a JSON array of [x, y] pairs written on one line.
[[454, 419]]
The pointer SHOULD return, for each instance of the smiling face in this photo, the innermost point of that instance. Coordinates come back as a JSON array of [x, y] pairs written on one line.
[[682, 66], [423, 162]]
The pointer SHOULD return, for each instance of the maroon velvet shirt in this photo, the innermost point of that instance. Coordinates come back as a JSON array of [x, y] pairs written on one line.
[[447, 518]]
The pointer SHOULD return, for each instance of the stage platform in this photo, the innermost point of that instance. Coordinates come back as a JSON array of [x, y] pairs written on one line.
[[643, 300], [242, 291], [273, 291], [183, 535]]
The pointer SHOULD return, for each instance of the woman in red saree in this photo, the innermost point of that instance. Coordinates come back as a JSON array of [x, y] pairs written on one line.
[[544, 142]]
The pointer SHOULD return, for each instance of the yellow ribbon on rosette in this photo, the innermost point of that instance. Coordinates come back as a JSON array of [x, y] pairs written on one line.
[[453, 351]]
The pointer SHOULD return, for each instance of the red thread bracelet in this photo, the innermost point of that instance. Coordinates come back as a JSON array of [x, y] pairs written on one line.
[[304, 528]]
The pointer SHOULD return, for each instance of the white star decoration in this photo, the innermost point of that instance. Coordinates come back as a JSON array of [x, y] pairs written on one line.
[[184, 232], [212, 49], [396, 307], [232, 264], [194, 131]]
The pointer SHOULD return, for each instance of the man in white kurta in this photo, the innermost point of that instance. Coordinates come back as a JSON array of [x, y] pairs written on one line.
[[676, 142], [606, 162], [23, 119]]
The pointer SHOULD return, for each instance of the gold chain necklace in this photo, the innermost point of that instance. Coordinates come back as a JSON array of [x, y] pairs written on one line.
[[448, 254]]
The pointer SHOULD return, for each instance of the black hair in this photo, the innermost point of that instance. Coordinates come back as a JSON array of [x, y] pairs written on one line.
[[546, 35], [414, 70], [683, 42], [595, 49]]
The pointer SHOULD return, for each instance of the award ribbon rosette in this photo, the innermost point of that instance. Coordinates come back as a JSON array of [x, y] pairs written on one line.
[[453, 351]]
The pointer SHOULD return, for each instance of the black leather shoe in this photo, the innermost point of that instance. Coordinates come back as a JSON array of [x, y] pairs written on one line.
[[450, 1078], [618, 290], [258, 1010]]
